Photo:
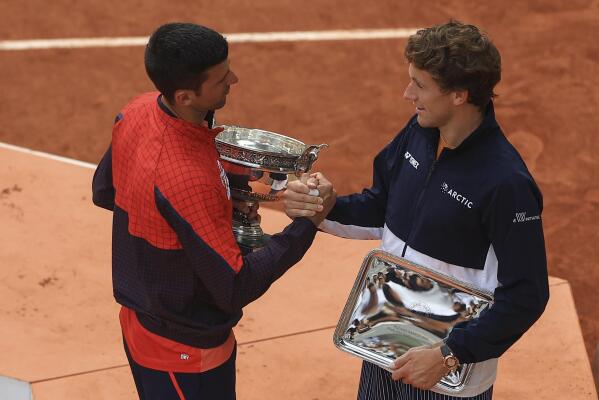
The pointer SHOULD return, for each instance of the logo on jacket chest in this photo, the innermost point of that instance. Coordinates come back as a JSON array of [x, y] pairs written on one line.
[[411, 159], [459, 197]]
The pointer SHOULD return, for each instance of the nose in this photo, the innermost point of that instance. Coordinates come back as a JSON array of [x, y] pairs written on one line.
[[234, 79], [409, 93]]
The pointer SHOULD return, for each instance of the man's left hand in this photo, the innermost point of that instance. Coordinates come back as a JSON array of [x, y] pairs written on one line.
[[421, 367]]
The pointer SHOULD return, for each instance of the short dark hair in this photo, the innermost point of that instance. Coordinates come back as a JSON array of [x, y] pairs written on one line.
[[177, 55], [458, 57]]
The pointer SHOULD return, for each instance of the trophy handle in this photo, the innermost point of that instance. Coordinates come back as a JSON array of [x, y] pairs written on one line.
[[308, 157]]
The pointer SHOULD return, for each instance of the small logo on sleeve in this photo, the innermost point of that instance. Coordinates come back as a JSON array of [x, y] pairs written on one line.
[[412, 160], [521, 217]]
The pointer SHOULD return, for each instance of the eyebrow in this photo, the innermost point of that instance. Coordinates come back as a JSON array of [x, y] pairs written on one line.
[[417, 81]]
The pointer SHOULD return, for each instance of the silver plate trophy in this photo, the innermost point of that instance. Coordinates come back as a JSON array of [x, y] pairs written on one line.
[[261, 162], [396, 305]]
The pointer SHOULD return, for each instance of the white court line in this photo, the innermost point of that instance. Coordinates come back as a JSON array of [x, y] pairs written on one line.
[[261, 37], [48, 156]]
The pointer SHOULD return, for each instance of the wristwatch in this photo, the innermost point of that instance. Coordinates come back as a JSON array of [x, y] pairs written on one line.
[[450, 361]]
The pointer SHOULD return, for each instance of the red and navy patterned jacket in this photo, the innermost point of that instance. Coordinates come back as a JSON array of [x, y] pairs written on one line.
[[175, 260]]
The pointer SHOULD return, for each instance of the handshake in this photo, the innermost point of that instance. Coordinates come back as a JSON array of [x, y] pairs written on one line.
[[312, 196]]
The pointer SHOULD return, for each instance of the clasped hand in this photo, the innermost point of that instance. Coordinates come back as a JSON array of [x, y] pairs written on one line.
[[311, 196]]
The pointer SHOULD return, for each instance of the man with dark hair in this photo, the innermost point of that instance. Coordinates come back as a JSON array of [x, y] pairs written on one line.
[[450, 193], [177, 270]]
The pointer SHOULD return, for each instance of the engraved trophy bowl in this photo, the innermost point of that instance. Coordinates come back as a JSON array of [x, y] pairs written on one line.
[[396, 305], [257, 163]]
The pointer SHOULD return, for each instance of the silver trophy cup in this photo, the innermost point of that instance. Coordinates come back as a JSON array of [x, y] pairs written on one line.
[[258, 163], [396, 305]]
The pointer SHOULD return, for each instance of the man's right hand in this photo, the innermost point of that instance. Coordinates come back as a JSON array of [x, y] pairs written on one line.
[[300, 201]]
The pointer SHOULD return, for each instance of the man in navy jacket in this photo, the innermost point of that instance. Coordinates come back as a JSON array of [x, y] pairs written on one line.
[[451, 193]]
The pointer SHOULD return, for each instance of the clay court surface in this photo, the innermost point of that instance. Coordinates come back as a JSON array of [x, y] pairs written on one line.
[[345, 93]]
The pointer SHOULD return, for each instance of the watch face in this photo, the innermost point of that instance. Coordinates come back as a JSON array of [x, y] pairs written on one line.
[[450, 362]]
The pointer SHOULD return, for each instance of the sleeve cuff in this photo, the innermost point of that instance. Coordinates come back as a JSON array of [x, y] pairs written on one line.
[[460, 353]]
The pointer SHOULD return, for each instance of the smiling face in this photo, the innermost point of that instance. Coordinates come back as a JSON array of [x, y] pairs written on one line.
[[433, 106]]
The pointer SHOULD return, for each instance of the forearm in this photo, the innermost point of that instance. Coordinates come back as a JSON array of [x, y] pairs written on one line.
[[515, 310], [357, 216], [233, 281], [261, 268]]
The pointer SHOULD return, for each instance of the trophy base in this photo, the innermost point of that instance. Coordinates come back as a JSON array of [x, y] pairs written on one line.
[[248, 244], [249, 236]]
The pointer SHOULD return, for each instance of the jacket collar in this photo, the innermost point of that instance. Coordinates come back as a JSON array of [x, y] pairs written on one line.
[[189, 129], [488, 124]]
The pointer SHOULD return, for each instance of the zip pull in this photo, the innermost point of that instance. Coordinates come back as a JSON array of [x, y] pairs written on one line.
[[430, 173]]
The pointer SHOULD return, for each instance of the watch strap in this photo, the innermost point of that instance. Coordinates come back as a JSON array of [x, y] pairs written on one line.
[[446, 351]]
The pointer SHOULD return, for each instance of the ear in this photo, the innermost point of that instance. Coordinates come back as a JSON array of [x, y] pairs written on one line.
[[182, 97], [459, 97]]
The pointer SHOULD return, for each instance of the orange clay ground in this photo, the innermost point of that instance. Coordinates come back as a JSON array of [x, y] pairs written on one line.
[[60, 333], [345, 93]]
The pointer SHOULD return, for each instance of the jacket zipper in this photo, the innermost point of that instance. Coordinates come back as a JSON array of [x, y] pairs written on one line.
[[417, 205]]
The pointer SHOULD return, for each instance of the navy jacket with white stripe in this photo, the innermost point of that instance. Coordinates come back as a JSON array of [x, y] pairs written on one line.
[[473, 213]]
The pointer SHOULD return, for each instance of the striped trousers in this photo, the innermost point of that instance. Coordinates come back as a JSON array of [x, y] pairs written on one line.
[[376, 384]]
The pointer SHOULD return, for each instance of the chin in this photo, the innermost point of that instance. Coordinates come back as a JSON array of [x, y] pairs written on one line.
[[422, 122], [427, 123], [220, 105]]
